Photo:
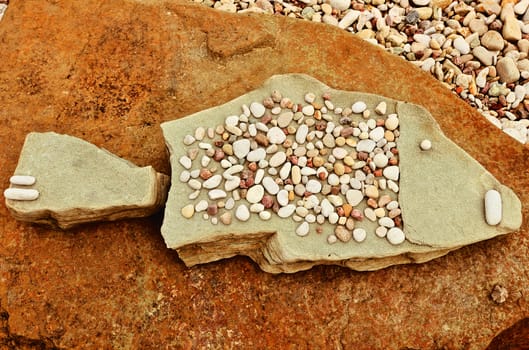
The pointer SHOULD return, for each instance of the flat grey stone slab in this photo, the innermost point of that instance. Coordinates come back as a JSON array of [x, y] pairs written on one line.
[[441, 196], [79, 182]]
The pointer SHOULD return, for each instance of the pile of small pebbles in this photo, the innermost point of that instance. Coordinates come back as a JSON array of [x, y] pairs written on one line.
[[479, 50], [310, 161]]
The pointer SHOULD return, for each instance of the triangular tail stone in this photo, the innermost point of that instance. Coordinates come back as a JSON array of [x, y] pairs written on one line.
[[78, 182], [296, 174]]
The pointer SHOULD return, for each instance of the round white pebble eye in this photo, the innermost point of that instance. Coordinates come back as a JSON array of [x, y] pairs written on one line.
[[426, 145], [493, 207]]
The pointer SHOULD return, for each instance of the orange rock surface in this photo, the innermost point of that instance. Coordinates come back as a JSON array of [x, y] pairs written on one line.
[[110, 73]]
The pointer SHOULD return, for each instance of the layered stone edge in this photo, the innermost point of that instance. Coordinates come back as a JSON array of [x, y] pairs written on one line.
[[153, 200]]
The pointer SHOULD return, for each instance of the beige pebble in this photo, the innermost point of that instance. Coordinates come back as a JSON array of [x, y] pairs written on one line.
[[343, 234], [226, 218], [188, 211]]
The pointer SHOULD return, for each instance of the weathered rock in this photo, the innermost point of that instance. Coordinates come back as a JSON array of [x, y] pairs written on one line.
[[81, 183], [110, 73]]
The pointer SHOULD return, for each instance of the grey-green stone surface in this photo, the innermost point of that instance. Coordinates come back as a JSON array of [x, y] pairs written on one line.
[[441, 196], [79, 182]]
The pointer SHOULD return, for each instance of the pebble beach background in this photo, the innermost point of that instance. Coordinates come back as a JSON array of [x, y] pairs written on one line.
[[477, 49]]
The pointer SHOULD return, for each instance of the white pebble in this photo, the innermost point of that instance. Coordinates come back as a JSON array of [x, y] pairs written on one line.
[[188, 140], [242, 213], [186, 162], [22, 180], [277, 159], [256, 208], [255, 194], [308, 110], [257, 109], [285, 170], [212, 182], [381, 231], [286, 211], [303, 229], [232, 120], [461, 45], [426, 145], [185, 176], [194, 184], [354, 197], [370, 214], [365, 145], [301, 134], [377, 133], [232, 183], [395, 236], [381, 108], [282, 197], [194, 195], [216, 194], [493, 207], [21, 194], [265, 215], [313, 186], [359, 107], [392, 122], [241, 148], [331, 239], [256, 155], [391, 172], [333, 218], [392, 185], [339, 153], [392, 205], [275, 135], [380, 160], [359, 234], [326, 208], [230, 204], [201, 206], [270, 185], [386, 222]]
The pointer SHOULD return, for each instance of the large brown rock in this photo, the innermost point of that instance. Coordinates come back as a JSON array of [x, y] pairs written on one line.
[[110, 73]]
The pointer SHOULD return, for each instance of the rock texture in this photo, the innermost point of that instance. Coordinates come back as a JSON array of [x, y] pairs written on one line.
[[441, 195], [80, 183], [110, 73]]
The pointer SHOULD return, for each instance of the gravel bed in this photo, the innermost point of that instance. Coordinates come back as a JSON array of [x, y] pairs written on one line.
[[479, 50]]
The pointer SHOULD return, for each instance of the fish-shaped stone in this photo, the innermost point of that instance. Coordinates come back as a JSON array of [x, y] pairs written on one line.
[[438, 189]]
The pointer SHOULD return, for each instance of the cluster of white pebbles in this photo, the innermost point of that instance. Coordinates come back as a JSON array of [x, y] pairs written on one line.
[[311, 162]]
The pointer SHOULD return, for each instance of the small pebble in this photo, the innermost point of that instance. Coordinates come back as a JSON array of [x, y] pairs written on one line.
[[225, 218], [426, 145], [359, 234], [21, 194], [188, 211], [242, 213], [303, 229], [257, 109], [359, 107], [22, 180], [343, 234], [395, 236], [493, 207]]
